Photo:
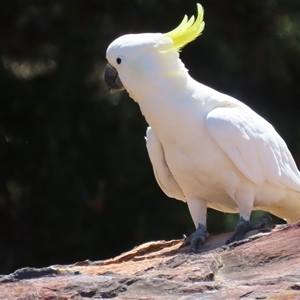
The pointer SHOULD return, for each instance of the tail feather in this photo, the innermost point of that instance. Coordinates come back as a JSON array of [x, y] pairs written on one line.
[[286, 210]]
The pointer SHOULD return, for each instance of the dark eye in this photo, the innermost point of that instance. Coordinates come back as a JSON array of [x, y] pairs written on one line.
[[119, 60]]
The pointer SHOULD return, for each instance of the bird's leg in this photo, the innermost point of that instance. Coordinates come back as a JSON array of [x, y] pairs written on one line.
[[244, 226], [198, 209], [199, 237]]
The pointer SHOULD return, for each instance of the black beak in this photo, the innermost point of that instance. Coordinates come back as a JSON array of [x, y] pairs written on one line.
[[112, 79]]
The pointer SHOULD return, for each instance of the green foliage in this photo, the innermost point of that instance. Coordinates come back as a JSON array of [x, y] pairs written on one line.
[[75, 178]]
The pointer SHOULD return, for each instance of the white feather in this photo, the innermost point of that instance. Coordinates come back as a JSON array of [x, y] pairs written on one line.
[[253, 145], [162, 173], [206, 148]]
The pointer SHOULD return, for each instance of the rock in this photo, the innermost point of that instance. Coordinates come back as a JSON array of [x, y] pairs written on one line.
[[263, 266]]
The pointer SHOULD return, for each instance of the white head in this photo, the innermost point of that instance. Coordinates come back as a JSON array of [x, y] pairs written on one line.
[[135, 58]]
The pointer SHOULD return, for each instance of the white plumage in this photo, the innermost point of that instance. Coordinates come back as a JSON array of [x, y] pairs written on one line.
[[206, 148], [236, 162]]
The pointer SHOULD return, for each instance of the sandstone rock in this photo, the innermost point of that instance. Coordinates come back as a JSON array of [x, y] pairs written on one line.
[[263, 266]]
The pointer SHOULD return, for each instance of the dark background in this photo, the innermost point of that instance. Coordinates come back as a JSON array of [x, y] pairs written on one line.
[[75, 179]]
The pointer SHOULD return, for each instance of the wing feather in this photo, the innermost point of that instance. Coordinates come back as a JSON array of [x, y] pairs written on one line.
[[162, 173], [253, 145]]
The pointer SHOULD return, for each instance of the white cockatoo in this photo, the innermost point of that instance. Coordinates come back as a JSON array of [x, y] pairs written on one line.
[[206, 148]]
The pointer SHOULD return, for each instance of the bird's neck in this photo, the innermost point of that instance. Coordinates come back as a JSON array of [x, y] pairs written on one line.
[[173, 101]]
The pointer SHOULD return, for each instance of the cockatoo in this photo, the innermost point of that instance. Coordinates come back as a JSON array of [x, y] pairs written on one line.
[[206, 148]]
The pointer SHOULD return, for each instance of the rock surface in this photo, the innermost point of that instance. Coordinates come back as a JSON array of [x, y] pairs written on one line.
[[263, 266]]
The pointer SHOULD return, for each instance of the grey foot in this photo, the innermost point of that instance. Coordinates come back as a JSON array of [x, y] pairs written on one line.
[[198, 237], [244, 226]]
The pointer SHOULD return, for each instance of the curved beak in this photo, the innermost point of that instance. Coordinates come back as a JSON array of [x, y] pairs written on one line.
[[112, 79]]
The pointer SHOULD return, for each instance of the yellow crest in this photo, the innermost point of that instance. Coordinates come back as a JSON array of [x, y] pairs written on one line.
[[188, 30]]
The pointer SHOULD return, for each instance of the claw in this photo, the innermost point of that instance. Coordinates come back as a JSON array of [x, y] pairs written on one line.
[[186, 240], [244, 226], [199, 237]]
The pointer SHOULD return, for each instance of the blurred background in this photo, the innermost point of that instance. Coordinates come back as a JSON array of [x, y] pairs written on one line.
[[75, 179]]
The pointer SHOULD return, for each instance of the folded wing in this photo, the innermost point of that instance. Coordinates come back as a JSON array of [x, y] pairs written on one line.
[[162, 173], [253, 145]]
